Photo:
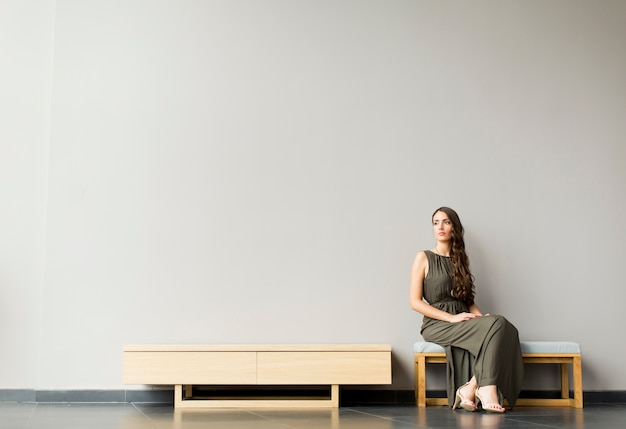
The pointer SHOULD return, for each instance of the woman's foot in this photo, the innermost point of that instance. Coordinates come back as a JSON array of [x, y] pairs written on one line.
[[465, 396], [489, 397]]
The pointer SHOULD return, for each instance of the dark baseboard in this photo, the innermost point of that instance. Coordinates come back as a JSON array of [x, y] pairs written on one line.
[[407, 397], [605, 397], [165, 396], [350, 397]]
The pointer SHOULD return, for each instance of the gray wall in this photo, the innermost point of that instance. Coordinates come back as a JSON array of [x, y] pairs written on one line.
[[265, 171]]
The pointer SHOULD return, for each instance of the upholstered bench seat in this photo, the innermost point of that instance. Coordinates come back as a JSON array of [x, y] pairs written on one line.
[[549, 347], [555, 352]]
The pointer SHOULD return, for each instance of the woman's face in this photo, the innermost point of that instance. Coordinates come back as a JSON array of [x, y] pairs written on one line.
[[442, 227]]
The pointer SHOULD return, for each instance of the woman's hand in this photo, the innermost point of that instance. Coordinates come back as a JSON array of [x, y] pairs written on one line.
[[463, 317]]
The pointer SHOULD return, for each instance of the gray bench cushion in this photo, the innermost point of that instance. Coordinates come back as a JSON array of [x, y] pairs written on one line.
[[527, 347]]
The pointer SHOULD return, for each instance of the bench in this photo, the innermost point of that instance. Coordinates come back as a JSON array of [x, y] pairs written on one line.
[[565, 354], [184, 366]]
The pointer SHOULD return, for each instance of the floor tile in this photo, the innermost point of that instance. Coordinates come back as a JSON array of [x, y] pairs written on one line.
[[88, 416], [15, 415], [146, 416]]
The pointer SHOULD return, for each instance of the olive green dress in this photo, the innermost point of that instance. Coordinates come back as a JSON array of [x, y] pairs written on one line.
[[487, 347]]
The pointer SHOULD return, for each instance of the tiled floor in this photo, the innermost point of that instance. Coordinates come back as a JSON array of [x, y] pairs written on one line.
[[143, 416]]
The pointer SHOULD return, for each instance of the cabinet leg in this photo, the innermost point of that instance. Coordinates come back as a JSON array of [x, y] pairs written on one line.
[[334, 395], [178, 395]]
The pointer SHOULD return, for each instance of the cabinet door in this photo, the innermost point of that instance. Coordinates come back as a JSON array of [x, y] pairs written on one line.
[[192, 367], [324, 368]]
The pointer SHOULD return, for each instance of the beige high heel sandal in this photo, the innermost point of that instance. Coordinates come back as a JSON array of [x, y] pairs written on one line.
[[463, 402], [493, 407]]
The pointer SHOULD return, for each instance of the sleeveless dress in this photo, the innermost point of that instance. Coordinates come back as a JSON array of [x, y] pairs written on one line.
[[487, 347]]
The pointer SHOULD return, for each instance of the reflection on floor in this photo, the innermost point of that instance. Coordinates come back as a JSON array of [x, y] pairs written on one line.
[[140, 416]]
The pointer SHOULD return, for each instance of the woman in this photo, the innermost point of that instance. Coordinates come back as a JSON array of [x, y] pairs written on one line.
[[482, 351]]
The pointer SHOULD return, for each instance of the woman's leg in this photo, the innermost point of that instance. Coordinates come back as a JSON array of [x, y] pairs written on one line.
[[498, 362], [494, 342], [468, 390]]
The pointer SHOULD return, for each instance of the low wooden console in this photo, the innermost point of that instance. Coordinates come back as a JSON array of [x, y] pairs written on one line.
[[257, 365]]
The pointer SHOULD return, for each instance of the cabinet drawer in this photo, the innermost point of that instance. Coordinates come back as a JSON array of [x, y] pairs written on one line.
[[189, 367], [324, 368]]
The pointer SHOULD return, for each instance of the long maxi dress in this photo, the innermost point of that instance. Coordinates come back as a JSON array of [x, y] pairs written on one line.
[[487, 347]]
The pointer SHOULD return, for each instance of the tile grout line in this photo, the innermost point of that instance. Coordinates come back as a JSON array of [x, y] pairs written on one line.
[[156, 424]]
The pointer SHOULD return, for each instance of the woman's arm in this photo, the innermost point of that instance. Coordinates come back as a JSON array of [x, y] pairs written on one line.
[[474, 310], [418, 273]]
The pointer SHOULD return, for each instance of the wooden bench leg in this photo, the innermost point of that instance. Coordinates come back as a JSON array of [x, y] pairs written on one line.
[[564, 381], [578, 382], [420, 381]]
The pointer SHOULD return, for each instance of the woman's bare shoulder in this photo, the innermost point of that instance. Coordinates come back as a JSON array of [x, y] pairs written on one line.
[[421, 259]]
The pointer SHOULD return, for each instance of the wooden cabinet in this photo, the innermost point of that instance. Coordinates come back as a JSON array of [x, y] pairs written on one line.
[[257, 365], [318, 367], [189, 367]]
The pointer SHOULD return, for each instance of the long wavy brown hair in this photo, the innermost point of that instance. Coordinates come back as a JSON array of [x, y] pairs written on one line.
[[463, 288]]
